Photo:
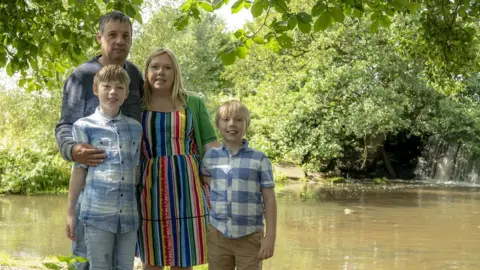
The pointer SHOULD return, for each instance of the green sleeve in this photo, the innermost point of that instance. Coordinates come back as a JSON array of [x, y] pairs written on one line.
[[207, 132]]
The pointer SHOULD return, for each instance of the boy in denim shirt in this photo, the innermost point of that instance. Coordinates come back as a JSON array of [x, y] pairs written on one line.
[[109, 209], [242, 193]]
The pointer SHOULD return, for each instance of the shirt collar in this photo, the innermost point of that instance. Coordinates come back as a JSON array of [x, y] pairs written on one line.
[[244, 148], [99, 115]]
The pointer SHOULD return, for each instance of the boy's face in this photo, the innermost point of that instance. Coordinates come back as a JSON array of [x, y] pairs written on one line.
[[111, 95], [233, 128], [116, 41]]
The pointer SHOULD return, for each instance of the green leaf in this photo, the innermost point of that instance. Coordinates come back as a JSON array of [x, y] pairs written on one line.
[[181, 22], [241, 52], [273, 45], [109, 5], [130, 11], [206, 6], [413, 7], [323, 22], [228, 58], [285, 41], [292, 22], [237, 6], [337, 14], [374, 27], [218, 3], [318, 8], [304, 17], [59, 68], [64, 259], [66, 33], [10, 69], [357, 13], [185, 7], [138, 17], [248, 43], [3, 57], [385, 21], [280, 6], [257, 8], [81, 259], [281, 26], [52, 266], [239, 33], [137, 2], [195, 13], [258, 40], [305, 27]]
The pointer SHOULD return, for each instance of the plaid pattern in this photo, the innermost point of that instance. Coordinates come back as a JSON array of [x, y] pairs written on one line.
[[236, 200], [108, 200]]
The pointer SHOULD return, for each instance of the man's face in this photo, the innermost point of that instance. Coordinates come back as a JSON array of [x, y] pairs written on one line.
[[116, 41]]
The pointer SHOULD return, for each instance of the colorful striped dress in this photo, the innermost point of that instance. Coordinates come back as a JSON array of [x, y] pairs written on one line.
[[173, 198]]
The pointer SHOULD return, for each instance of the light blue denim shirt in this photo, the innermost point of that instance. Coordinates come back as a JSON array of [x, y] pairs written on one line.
[[237, 207], [108, 200]]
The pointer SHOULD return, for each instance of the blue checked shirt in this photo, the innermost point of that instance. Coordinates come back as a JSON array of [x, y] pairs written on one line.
[[237, 207], [108, 200]]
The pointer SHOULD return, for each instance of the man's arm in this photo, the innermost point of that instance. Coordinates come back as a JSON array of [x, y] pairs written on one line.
[[73, 108]]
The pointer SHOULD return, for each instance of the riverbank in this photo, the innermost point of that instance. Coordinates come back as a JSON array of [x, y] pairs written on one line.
[[28, 263]]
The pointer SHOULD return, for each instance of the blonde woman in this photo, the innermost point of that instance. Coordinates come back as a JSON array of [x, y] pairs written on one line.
[[173, 200]]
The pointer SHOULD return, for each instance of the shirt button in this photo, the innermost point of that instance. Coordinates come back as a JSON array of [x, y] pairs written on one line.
[[120, 147], [121, 195], [123, 178], [122, 161], [120, 211]]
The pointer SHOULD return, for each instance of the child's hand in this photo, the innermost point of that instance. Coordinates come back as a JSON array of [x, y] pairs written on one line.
[[266, 248], [70, 228]]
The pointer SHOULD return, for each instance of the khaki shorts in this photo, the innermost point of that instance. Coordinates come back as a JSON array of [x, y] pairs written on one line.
[[225, 253]]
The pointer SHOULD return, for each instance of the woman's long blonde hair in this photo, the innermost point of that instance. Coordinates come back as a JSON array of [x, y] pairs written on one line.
[[179, 95]]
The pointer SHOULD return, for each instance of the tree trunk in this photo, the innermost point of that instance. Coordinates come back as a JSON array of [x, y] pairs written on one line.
[[388, 165]]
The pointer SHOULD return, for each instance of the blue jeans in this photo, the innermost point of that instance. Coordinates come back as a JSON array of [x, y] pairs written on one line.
[[103, 246], [78, 247]]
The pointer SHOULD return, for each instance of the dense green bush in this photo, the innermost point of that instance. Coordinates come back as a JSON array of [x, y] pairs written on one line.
[[23, 171]]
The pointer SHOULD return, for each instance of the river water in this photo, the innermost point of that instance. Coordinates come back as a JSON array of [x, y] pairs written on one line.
[[408, 228]]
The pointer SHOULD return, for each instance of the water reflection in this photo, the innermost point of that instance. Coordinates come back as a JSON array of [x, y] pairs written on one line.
[[420, 228]]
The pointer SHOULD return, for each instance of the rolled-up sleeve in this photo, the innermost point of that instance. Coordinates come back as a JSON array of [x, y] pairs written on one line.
[[79, 135]]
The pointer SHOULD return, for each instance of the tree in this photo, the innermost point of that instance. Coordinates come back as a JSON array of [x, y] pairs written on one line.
[[340, 93], [42, 39], [447, 27]]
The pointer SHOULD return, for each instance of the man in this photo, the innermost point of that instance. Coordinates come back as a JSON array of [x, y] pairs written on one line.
[[115, 38]]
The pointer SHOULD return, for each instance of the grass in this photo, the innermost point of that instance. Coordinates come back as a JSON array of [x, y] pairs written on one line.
[[9, 262]]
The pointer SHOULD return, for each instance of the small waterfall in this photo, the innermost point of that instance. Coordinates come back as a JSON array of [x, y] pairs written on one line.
[[446, 162]]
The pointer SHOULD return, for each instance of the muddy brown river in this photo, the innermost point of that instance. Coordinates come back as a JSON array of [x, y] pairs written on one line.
[[420, 227]]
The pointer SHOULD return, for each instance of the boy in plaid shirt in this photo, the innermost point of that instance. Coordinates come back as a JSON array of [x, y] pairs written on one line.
[[242, 194]]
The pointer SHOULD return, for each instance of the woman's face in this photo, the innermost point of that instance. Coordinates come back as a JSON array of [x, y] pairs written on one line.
[[161, 73]]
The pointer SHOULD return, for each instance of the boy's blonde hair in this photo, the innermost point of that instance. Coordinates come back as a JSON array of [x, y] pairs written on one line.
[[179, 95], [110, 73], [232, 107]]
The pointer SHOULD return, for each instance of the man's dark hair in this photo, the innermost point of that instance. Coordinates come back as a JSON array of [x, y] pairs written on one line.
[[115, 16]]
